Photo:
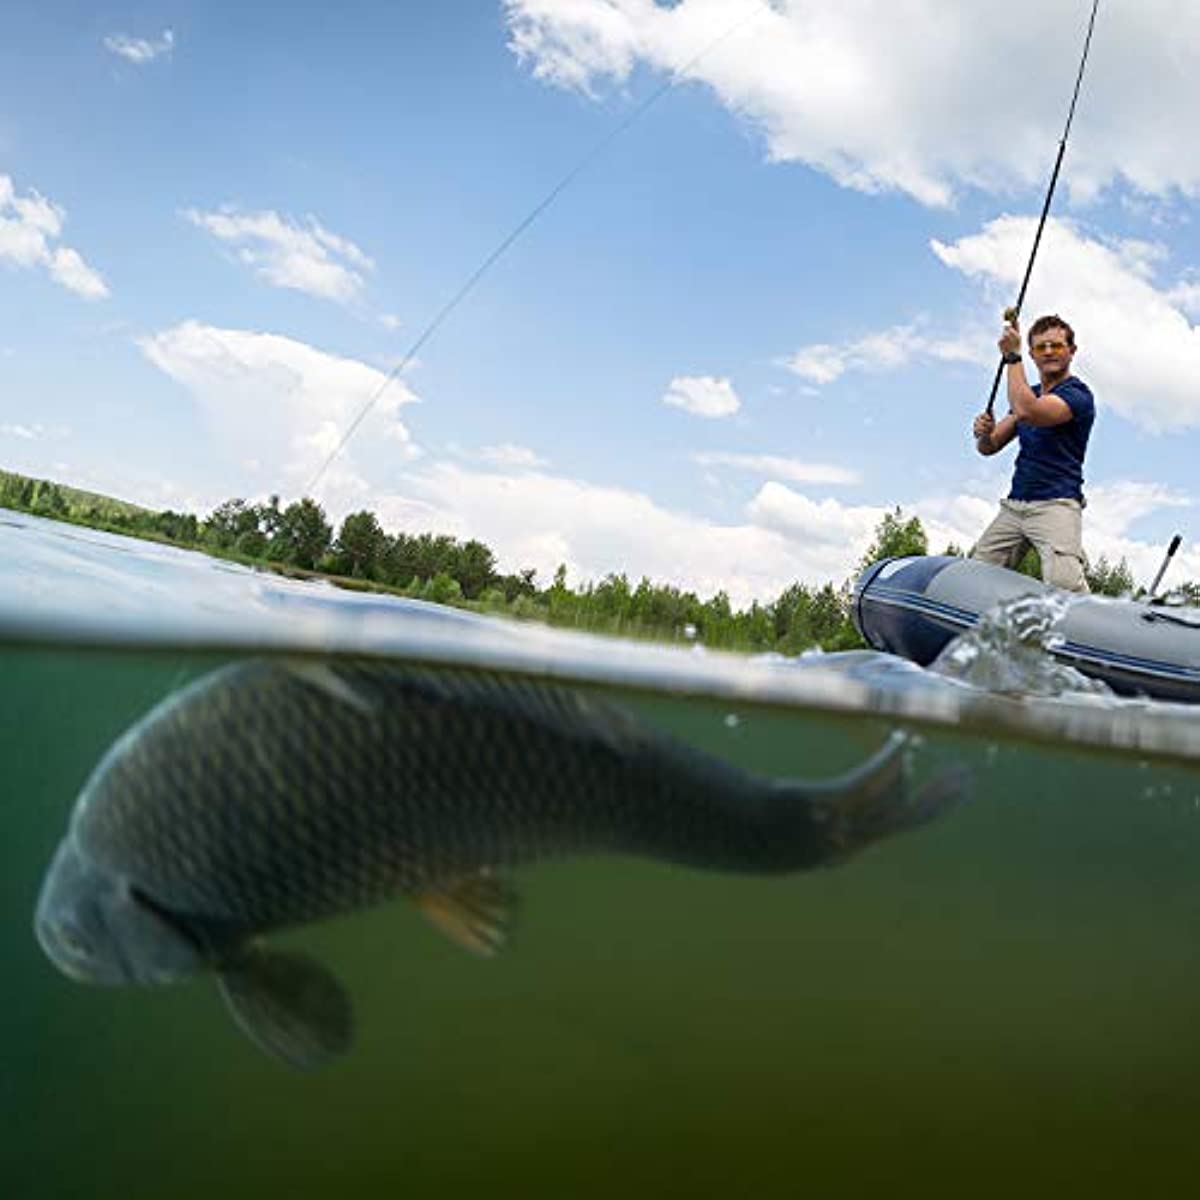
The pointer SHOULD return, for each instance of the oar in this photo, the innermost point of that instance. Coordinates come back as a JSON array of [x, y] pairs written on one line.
[[1166, 562]]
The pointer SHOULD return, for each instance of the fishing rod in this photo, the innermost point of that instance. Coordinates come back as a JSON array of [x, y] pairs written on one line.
[[1011, 314], [757, 10]]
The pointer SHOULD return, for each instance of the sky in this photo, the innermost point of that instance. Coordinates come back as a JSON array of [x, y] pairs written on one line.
[[761, 312]]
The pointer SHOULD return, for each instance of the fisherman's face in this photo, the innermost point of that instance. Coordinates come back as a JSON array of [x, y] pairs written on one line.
[[1051, 352]]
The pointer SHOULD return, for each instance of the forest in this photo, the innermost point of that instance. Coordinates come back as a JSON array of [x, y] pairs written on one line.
[[297, 539]]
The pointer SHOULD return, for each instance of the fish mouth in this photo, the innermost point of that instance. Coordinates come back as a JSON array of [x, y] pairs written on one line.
[[80, 974], [73, 965]]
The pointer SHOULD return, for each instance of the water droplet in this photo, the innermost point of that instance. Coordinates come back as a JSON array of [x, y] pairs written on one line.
[[732, 721]]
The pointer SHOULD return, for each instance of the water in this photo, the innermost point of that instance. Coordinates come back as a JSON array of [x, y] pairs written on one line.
[[1001, 1003]]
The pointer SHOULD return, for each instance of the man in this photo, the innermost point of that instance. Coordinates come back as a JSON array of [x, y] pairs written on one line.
[[1052, 420]]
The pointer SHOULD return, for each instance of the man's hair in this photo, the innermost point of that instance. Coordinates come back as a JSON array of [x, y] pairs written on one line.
[[1053, 321]]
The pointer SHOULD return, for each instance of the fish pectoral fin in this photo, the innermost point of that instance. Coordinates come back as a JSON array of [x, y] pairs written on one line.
[[475, 910], [288, 1005], [325, 679]]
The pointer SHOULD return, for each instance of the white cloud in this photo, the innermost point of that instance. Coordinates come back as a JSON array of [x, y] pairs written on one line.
[[287, 254], [67, 267], [1111, 512], [508, 454], [917, 97], [785, 468], [140, 51], [540, 520], [889, 349], [827, 521], [702, 396], [1114, 507], [27, 432], [1137, 348], [824, 363], [1186, 294], [29, 227], [261, 390]]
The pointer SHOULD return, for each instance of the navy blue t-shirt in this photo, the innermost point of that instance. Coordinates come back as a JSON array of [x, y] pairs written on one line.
[[1050, 462]]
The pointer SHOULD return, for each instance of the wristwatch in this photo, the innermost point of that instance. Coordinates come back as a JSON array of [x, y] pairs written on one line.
[[1012, 357]]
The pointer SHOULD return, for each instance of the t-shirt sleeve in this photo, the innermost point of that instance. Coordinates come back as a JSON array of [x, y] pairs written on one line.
[[1078, 397]]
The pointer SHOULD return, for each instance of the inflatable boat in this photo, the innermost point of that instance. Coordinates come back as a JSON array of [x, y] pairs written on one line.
[[913, 606]]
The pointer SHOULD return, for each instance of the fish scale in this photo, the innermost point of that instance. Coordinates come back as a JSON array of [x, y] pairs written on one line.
[[270, 794], [349, 807]]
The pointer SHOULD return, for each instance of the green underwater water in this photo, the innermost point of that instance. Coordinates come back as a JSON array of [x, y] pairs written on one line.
[[1002, 1003]]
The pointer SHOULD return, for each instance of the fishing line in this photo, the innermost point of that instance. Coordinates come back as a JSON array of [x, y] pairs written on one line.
[[469, 285], [1011, 314]]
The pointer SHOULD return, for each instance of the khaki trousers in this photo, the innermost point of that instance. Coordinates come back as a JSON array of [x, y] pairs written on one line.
[[1054, 528]]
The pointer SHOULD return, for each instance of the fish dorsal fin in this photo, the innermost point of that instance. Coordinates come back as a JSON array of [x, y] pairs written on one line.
[[476, 911], [288, 1005], [325, 679]]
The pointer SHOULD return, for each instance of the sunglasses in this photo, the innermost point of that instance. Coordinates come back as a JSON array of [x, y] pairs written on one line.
[[1047, 347]]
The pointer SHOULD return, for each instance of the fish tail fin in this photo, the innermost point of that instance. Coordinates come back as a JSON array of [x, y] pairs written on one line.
[[289, 1005], [878, 799]]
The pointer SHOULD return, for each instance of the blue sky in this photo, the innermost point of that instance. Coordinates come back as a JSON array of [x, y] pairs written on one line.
[[764, 314]]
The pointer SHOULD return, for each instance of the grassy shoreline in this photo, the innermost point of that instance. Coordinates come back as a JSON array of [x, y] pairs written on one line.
[[801, 618]]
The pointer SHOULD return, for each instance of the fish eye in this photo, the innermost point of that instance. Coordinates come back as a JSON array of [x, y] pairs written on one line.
[[73, 941]]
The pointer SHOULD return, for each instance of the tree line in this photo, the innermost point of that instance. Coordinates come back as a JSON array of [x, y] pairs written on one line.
[[298, 538]]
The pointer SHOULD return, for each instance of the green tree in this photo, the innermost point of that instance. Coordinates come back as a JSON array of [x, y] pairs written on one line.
[[1189, 592], [252, 543], [304, 535], [827, 615], [1030, 564], [397, 563], [269, 516], [1107, 580], [441, 589], [523, 583], [793, 601], [228, 522], [361, 545], [48, 499], [476, 568], [896, 537], [179, 527], [563, 605], [12, 490]]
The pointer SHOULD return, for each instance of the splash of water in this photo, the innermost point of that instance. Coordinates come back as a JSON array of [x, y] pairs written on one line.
[[1011, 651]]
